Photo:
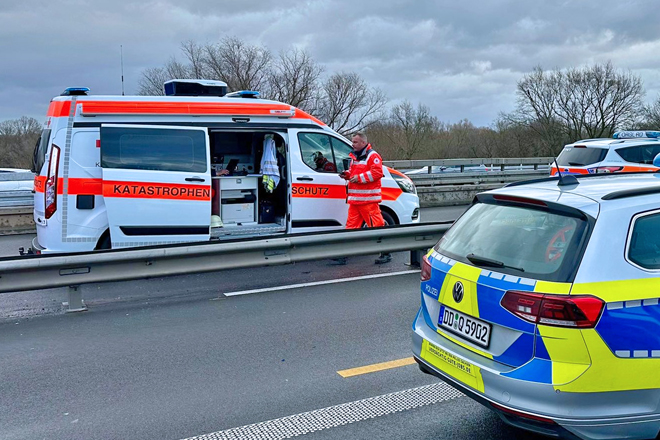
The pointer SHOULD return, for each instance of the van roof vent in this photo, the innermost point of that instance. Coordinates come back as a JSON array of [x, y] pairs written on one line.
[[195, 87]]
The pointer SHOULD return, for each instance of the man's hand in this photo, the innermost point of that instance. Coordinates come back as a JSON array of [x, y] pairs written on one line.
[[354, 179], [344, 175]]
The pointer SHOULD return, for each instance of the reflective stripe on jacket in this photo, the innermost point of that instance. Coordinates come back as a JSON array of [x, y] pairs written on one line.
[[369, 170]]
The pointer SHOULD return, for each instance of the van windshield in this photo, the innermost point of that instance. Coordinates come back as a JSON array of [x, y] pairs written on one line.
[[527, 242], [581, 156], [39, 155]]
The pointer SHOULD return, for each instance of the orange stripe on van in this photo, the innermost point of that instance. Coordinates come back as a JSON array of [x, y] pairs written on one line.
[[308, 190], [304, 115], [391, 193], [59, 108], [148, 190], [183, 108], [336, 191]]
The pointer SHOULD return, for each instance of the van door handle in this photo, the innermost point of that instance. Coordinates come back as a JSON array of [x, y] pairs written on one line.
[[195, 179], [307, 178]]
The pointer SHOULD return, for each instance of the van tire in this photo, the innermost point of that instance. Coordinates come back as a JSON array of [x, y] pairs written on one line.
[[104, 242], [389, 218]]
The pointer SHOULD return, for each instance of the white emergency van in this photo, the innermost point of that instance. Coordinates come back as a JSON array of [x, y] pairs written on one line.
[[125, 171]]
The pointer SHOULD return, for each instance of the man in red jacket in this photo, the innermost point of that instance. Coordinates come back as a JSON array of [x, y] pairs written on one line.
[[364, 192]]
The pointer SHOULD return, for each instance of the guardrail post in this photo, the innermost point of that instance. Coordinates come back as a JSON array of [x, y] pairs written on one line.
[[430, 169], [76, 303], [416, 258]]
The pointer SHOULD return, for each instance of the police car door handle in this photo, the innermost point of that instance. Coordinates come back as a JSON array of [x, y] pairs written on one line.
[[307, 178], [194, 179]]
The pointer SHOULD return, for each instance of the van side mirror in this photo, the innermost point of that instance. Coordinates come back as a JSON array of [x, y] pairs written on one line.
[[656, 161]]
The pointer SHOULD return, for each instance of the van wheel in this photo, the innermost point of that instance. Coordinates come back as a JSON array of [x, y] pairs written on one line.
[[389, 220], [104, 241]]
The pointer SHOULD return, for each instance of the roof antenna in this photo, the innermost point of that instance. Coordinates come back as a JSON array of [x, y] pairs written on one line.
[[121, 51], [568, 179]]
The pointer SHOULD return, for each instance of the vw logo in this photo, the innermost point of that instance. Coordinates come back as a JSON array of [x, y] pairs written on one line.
[[457, 293]]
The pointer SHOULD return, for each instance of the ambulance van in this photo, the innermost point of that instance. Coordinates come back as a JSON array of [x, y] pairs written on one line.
[[126, 171]]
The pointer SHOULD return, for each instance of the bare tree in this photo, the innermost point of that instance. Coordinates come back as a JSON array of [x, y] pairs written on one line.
[[411, 129], [152, 80], [241, 66], [294, 79], [650, 116], [17, 141], [579, 102], [346, 103]]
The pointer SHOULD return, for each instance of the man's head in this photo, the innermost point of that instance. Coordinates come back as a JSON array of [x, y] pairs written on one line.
[[359, 141], [319, 159]]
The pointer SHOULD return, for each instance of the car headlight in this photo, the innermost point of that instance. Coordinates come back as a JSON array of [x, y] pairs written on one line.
[[405, 184]]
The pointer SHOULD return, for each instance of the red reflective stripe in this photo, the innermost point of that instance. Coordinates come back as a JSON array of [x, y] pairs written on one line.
[[180, 108], [318, 191], [148, 190], [59, 108]]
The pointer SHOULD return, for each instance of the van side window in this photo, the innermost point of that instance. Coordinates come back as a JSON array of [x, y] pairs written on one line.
[[639, 154], [316, 152], [153, 149], [341, 150], [644, 245]]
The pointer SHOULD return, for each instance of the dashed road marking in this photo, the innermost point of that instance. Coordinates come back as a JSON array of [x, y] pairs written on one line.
[[376, 367], [338, 415], [320, 283]]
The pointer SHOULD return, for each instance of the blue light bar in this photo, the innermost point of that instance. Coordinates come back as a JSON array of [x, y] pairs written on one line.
[[75, 91], [633, 134], [243, 94]]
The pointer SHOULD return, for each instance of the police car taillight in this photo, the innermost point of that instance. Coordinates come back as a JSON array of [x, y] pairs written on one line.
[[426, 269], [50, 191], [580, 311]]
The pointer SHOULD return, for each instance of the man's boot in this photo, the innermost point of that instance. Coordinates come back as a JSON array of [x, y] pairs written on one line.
[[384, 257]]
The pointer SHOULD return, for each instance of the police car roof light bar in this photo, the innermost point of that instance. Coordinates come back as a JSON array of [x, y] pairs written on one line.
[[635, 134], [75, 91]]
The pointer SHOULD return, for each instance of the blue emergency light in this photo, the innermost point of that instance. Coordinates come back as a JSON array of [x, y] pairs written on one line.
[[75, 91], [243, 94], [634, 134]]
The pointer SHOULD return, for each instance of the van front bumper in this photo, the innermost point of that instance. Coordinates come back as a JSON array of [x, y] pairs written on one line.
[[536, 406]]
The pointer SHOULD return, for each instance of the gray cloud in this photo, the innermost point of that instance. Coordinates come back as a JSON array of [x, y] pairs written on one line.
[[462, 59]]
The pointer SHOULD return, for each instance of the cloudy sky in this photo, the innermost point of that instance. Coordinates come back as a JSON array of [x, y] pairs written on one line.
[[461, 58]]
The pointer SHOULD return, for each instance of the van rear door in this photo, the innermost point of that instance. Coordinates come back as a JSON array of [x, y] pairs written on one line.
[[156, 184]]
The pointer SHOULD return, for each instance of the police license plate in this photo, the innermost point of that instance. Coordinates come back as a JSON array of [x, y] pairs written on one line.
[[467, 327]]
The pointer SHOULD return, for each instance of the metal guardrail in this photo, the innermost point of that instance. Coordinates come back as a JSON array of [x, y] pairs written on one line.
[[426, 180], [502, 163], [49, 271], [16, 190]]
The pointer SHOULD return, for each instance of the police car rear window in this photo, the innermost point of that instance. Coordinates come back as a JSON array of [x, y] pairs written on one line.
[[153, 149], [581, 156], [528, 242]]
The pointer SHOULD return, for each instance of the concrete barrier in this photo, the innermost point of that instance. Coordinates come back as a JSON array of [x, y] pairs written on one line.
[[19, 220]]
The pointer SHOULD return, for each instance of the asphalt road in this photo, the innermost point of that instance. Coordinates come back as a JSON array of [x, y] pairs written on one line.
[[233, 354], [174, 368]]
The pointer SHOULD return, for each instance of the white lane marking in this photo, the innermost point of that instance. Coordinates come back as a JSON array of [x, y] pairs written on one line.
[[338, 415], [320, 283]]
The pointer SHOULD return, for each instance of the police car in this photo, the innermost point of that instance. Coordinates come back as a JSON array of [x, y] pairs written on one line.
[[542, 302], [627, 151]]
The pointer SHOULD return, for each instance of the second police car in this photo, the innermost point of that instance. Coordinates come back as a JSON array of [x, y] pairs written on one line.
[[626, 151], [542, 302]]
